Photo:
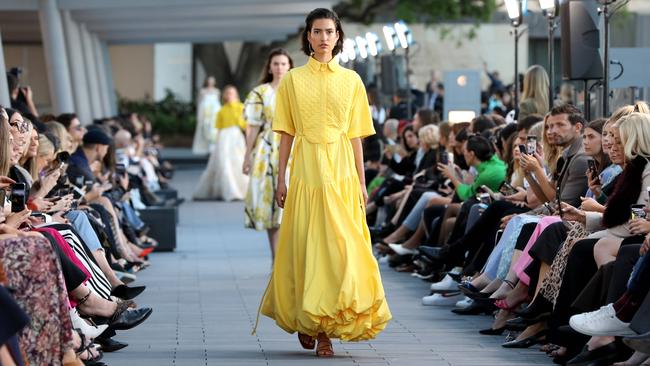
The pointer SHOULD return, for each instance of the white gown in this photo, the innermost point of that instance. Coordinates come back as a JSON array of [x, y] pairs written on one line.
[[223, 178], [206, 114]]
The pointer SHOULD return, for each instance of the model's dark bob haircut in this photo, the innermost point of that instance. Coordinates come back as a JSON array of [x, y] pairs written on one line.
[[322, 13]]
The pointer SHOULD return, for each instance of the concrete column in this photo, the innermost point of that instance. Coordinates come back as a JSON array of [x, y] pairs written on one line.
[[5, 99], [77, 69], [55, 56], [91, 73], [112, 97], [101, 75]]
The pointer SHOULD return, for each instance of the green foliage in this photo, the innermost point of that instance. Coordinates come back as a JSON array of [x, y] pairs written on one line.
[[170, 116], [429, 12], [417, 11]]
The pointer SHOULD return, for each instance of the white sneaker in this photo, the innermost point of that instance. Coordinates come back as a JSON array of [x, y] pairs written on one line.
[[383, 260], [448, 299], [400, 250], [446, 285], [602, 322], [464, 303]]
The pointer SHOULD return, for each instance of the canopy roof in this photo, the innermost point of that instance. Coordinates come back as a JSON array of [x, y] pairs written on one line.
[[151, 21]]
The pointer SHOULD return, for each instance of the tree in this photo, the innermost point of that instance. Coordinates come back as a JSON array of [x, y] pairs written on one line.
[[429, 12]]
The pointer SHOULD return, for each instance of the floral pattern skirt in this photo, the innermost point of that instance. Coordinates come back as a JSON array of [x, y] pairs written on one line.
[[34, 272], [262, 213]]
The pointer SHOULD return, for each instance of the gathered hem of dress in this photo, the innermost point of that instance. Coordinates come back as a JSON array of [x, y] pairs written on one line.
[[346, 324]]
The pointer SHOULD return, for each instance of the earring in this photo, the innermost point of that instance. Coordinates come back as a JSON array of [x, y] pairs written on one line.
[[311, 50]]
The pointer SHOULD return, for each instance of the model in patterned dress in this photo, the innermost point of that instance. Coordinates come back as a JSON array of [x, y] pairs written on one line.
[[262, 149]]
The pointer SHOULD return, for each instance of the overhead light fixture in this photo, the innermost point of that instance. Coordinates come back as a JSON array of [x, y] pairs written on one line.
[[349, 48], [513, 9], [403, 34], [374, 45], [550, 7], [460, 116], [362, 45], [389, 35]]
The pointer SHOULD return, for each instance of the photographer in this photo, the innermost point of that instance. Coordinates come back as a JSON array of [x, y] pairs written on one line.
[[22, 98]]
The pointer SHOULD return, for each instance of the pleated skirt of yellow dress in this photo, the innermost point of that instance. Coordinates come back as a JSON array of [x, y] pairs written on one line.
[[325, 278]]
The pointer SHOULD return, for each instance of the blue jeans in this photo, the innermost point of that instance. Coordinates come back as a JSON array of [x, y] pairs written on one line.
[[413, 219], [80, 222], [640, 278], [498, 263]]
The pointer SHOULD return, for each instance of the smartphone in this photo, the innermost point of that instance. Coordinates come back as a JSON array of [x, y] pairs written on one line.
[[18, 197], [89, 185], [484, 198], [79, 181], [120, 169], [637, 212], [531, 144], [444, 159], [592, 166], [523, 149], [559, 202], [506, 189]]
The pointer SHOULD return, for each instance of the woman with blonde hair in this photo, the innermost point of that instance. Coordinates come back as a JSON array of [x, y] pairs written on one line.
[[223, 178], [62, 134], [534, 98]]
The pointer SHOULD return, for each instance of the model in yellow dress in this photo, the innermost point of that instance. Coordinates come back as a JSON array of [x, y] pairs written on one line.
[[325, 280]]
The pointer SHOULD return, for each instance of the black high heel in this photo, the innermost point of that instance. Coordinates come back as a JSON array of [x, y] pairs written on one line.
[[526, 342], [492, 331], [536, 311]]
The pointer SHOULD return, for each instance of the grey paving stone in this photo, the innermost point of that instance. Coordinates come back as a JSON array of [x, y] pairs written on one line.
[[206, 294]]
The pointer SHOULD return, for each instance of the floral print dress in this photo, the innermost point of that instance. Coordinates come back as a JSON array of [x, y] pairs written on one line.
[[33, 270], [262, 213]]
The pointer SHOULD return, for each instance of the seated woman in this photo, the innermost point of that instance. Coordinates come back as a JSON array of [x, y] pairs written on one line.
[[614, 218]]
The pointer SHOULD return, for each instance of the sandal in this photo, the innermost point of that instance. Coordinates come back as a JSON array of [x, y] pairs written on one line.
[[306, 341], [503, 304], [324, 348]]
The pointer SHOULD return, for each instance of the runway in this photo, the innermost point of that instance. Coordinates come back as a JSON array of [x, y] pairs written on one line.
[[205, 297]]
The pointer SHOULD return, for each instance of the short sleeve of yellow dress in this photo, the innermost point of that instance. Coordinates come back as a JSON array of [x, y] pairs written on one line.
[[325, 278], [282, 119]]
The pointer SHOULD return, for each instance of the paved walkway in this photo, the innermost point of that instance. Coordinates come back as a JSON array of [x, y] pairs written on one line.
[[205, 297]]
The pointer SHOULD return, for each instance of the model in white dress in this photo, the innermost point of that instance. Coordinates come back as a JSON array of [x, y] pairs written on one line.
[[208, 106], [223, 178]]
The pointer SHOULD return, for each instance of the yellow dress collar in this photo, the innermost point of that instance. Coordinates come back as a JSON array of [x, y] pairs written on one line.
[[316, 65]]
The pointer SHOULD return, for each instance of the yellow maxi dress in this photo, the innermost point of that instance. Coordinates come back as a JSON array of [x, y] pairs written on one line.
[[325, 278]]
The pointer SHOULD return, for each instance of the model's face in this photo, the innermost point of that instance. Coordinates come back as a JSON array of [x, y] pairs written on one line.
[[592, 141], [323, 36], [616, 153], [230, 95], [279, 67], [211, 82]]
